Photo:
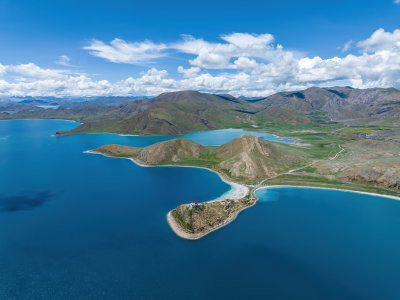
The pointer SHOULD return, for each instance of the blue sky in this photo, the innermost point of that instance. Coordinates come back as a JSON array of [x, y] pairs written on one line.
[[62, 48]]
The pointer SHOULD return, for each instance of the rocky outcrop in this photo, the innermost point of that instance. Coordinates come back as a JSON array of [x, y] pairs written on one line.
[[380, 174]]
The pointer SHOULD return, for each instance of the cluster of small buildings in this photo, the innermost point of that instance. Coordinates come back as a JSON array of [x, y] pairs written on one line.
[[196, 204]]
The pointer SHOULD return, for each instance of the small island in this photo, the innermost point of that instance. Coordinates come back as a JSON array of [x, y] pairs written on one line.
[[249, 163]]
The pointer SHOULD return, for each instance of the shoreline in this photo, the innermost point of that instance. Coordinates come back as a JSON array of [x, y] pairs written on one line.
[[43, 119], [293, 141], [237, 191], [280, 139], [177, 230], [327, 188]]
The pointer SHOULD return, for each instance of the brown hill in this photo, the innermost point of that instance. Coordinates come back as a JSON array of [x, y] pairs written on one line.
[[171, 151], [342, 104], [246, 158], [250, 157]]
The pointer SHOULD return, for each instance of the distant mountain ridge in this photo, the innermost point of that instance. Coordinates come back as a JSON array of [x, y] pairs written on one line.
[[185, 111], [342, 104]]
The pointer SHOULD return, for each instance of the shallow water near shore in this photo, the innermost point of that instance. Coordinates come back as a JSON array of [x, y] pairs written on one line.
[[80, 226]]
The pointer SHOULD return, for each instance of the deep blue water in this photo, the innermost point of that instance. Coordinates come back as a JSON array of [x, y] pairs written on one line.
[[81, 226]]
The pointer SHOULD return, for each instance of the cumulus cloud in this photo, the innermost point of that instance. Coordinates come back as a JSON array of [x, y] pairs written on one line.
[[381, 40], [190, 72], [245, 63], [241, 64], [255, 43], [34, 71], [120, 51], [219, 55]]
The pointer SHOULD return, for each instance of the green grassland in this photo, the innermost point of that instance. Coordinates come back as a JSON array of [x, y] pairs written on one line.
[[317, 146]]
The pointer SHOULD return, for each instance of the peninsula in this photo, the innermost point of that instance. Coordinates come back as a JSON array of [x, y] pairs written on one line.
[[362, 165], [346, 138]]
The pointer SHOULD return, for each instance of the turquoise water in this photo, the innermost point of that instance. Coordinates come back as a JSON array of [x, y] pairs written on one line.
[[208, 138], [218, 137], [11, 112], [81, 226], [48, 106]]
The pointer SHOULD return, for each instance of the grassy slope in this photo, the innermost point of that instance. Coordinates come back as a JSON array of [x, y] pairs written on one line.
[[364, 165]]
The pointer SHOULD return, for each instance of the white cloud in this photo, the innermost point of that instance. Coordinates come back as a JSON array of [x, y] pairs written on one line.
[[2, 70], [396, 1], [347, 46], [64, 60], [120, 51], [190, 72], [381, 40], [250, 42], [243, 64], [219, 55], [209, 55], [34, 71]]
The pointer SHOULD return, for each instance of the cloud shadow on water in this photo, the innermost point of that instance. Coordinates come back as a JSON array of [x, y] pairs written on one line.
[[26, 201]]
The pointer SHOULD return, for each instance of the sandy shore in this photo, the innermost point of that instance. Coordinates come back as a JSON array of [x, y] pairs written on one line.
[[120, 134], [327, 188], [176, 228], [237, 191]]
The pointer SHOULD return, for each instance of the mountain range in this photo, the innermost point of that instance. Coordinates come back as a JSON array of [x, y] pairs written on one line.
[[185, 111]]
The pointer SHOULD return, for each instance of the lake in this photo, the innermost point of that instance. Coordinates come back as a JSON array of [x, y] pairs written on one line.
[[81, 226]]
